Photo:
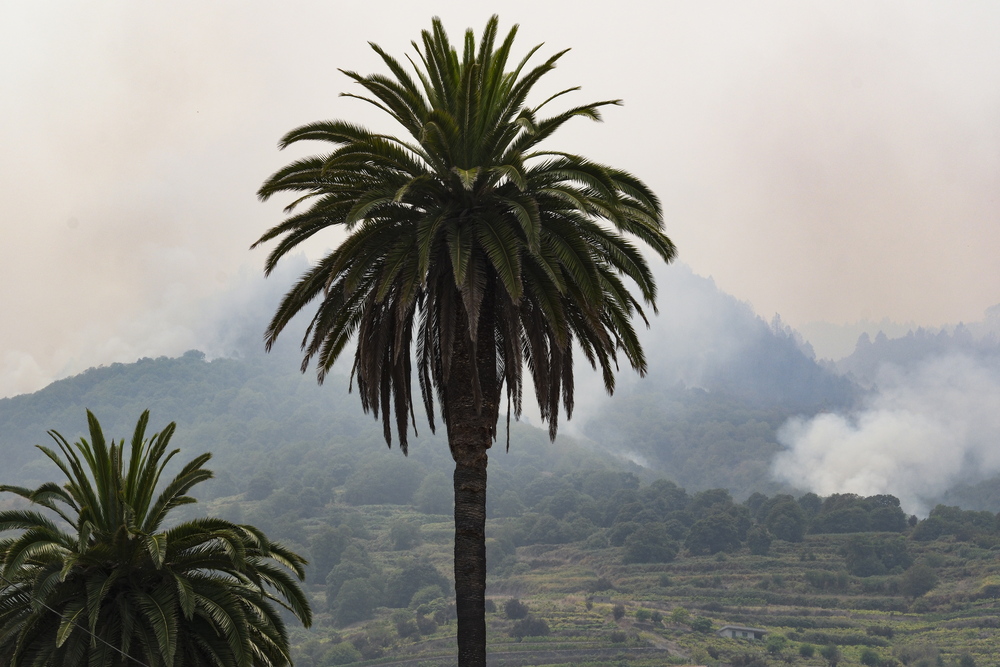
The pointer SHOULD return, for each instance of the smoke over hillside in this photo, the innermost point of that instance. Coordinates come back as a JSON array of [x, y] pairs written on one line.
[[931, 421]]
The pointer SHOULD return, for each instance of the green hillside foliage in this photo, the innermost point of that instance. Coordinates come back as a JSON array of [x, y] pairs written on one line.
[[707, 439], [613, 563]]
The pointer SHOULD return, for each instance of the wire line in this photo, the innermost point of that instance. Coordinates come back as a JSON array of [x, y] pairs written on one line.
[[87, 630]]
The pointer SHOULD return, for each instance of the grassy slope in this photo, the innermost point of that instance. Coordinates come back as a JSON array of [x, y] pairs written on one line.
[[958, 616]]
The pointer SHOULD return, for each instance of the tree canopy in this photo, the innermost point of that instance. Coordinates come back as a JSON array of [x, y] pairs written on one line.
[[92, 577]]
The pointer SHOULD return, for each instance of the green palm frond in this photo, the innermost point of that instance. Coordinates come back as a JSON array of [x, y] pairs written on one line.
[[465, 215], [110, 583]]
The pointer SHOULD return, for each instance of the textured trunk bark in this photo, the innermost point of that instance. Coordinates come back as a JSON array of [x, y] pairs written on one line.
[[470, 558], [470, 435]]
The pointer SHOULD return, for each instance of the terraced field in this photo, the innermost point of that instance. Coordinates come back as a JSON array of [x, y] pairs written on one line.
[[814, 612]]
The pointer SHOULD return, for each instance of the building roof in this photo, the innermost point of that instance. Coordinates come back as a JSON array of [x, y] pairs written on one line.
[[741, 627]]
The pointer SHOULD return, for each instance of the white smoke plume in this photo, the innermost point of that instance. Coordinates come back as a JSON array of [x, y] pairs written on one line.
[[921, 431]]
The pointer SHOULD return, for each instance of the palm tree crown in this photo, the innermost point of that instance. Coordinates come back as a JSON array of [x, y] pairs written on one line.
[[466, 216], [117, 588]]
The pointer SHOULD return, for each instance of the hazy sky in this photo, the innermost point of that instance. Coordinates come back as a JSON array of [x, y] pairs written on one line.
[[826, 161]]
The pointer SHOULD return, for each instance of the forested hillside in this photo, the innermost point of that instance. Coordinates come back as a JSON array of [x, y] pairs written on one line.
[[720, 382], [618, 545], [870, 356]]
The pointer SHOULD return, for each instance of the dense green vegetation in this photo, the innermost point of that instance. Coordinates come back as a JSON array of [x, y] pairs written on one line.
[[568, 522], [593, 564]]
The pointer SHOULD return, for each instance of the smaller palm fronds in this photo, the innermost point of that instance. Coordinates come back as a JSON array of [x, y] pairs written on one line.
[[93, 578]]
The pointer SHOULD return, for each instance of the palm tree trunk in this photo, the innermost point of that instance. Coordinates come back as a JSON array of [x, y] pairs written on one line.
[[471, 428], [470, 557]]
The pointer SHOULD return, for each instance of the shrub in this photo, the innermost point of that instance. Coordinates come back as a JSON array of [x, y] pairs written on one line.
[[650, 544], [712, 535], [618, 611], [929, 529], [842, 639], [342, 653], [775, 644], [602, 584], [404, 535], [358, 566], [326, 548], [402, 585], [807, 650], [966, 660], [427, 594], [530, 626], [702, 625], [374, 641], [597, 540], [642, 615], [918, 580], [759, 541], [354, 602], [867, 556], [618, 637], [435, 494], [621, 531], [500, 553], [426, 625], [831, 653], [548, 530], [845, 520], [786, 520], [870, 658], [406, 625], [515, 609], [747, 660], [442, 616], [918, 652], [888, 519]]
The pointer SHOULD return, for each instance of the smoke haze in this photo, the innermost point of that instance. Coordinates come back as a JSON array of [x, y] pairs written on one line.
[[830, 162], [922, 430]]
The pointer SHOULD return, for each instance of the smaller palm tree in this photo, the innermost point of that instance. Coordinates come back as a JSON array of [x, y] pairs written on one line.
[[116, 589]]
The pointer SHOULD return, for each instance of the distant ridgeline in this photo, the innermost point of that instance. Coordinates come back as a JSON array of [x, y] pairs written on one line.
[[258, 416], [871, 355]]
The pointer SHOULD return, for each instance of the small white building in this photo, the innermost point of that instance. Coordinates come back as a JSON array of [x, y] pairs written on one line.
[[740, 632]]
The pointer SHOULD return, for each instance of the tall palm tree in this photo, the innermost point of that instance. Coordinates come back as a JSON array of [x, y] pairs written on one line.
[[471, 243], [116, 589]]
